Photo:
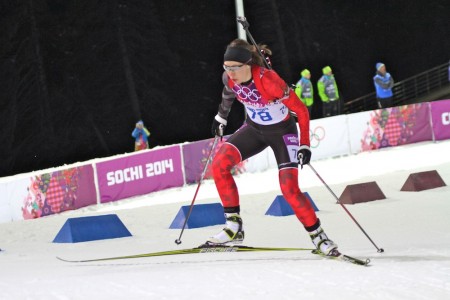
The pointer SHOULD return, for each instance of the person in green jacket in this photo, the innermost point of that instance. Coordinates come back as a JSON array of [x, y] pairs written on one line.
[[304, 89], [329, 93]]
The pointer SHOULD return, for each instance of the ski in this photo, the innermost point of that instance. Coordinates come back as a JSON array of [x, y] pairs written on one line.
[[199, 249], [336, 255]]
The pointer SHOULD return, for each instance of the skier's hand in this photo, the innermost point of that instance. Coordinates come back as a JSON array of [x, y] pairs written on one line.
[[218, 126], [304, 155]]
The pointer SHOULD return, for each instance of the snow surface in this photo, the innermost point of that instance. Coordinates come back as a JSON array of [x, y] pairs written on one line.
[[412, 227]]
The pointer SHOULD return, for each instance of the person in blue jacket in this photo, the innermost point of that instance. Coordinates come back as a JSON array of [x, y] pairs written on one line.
[[383, 86], [140, 134]]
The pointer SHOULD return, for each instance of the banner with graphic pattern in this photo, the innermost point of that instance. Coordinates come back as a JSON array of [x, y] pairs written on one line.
[[48, 193], [440, 114], [389, 127], [140, 173]]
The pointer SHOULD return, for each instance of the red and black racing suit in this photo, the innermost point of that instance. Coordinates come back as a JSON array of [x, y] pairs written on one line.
[[267, 100]]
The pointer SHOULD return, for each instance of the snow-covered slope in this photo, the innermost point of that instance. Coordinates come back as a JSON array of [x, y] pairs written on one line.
[[412, 227]]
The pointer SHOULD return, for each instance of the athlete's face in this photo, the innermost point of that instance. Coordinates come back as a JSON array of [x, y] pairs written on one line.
[[237, 71]]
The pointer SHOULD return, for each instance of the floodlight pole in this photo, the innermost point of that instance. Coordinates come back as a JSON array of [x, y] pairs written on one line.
[[239, 4]]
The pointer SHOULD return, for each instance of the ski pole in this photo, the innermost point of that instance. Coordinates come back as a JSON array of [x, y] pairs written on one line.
[[379, 250], [246, 25], [216, 139]]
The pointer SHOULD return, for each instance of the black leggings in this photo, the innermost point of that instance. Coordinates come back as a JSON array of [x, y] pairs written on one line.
[[282, 137]]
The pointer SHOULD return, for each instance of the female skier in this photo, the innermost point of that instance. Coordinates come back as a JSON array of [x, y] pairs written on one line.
[[267, 100]]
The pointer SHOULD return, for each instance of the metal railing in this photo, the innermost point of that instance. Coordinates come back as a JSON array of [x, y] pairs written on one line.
[[407, 91]]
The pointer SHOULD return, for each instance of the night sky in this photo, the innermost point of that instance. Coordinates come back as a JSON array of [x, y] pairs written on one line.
[[77, 75]]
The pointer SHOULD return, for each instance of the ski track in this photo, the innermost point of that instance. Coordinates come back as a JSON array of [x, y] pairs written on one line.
[[412, 227]]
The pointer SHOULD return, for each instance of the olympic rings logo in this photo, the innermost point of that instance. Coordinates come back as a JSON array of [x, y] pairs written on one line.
[[247, 93], [316, 136]]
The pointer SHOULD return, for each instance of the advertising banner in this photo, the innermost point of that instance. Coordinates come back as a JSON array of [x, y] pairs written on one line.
[[262, 161], [139, 174], [195, 156], [59, 191], [440, 113], [363, 135], [329, 137], [13, 197], [47, 193], [389, 127]]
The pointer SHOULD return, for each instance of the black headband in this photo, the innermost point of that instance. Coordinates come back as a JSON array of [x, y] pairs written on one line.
[[237, 54]]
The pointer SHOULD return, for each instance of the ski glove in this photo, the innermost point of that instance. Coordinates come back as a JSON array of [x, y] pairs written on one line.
[[304, 155], [218, 126]]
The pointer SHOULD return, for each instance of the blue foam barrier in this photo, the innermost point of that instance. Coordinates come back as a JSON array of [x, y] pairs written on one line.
[[280, 207], [202, 215], [93, 228]]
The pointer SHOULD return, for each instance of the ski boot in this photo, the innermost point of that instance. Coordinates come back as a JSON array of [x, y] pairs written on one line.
[[233, 233], [323, 243]]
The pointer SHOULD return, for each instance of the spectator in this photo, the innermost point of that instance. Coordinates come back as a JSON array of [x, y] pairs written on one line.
[[141, 134], [449, 71], [328, 92], [383, 86], [304, 90]]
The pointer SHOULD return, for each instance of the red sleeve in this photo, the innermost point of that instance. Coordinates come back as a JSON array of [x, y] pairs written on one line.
[[278, 89], [299, 108]]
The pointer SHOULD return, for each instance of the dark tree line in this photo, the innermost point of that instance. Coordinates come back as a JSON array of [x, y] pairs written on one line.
[[77, 75]]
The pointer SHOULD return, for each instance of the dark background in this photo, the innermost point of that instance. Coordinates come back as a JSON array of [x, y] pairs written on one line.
[[76, 75]]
